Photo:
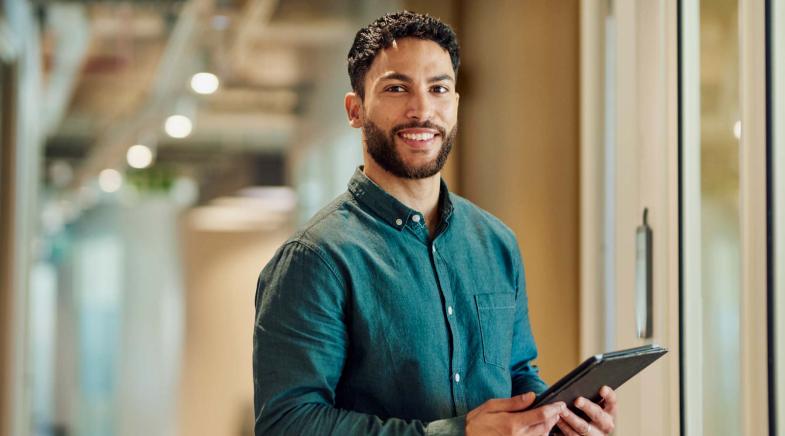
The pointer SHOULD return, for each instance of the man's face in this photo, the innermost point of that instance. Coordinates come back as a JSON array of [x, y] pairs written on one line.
[[409, 115]]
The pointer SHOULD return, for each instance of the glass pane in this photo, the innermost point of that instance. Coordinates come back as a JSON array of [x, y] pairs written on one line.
[[720, 234]]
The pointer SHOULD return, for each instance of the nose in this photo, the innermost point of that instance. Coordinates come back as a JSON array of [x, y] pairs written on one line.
[[420, 106]]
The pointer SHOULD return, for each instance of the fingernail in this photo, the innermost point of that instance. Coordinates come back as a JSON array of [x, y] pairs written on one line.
[[579, 402]]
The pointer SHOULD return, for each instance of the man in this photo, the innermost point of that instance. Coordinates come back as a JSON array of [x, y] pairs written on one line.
[[400, 308]]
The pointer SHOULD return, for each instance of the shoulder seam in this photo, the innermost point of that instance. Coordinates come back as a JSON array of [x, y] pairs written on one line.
[[315, 250], [335, 206]]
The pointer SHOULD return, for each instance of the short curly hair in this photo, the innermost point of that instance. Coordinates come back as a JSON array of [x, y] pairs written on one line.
[[385, 30]]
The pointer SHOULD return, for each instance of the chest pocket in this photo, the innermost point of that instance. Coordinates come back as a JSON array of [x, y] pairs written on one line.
[[496, 312]]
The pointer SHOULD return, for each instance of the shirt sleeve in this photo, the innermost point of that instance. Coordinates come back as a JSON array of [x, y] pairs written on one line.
[[300, 345], [525, 375]]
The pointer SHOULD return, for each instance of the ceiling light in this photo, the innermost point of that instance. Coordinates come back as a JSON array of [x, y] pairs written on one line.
[[178, 126], [737, 129], [204, 83], [139, 156], [110, 180]]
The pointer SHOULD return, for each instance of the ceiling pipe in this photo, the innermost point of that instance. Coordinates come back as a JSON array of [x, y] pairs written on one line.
[[110, 147], [71, 31]]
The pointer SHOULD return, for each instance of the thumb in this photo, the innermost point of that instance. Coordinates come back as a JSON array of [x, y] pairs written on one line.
[[513, 404], [526, 399]]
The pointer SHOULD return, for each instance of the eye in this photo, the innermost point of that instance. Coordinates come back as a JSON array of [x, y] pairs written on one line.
[[395, 88], [440, 89]]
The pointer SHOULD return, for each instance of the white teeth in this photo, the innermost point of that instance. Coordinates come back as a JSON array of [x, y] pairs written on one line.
[[418, 136]]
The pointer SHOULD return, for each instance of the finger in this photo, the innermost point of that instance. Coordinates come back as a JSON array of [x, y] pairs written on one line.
[[543, 428], [541, 414], [609, 400], [576, 423], [513, 404], [566, 429], [598, 416]]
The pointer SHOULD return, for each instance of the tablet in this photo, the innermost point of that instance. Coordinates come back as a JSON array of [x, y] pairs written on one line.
[[609, 369]]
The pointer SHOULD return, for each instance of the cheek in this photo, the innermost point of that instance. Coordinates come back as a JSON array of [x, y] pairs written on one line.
[[448, 108], [450, 116], [382, 118]]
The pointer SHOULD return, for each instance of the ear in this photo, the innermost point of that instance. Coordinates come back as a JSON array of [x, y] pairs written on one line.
[[354, 108]]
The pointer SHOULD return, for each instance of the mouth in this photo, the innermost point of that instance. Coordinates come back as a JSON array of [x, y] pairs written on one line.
[[418, 137]]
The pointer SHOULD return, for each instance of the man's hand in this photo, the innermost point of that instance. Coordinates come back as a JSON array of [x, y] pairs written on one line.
[[505, 416], [603, 418]]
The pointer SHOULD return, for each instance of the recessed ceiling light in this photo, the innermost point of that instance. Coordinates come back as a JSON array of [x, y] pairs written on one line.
[[139, 156], [178, 126], [205, 83]]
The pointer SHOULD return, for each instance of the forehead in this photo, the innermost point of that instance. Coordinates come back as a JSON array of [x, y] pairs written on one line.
[[411, 56]]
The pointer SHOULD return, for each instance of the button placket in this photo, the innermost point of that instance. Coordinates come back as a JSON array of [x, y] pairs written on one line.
[[458, 379], [457, 354]]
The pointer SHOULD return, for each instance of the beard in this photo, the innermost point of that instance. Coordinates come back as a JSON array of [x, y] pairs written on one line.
[[381, 147]]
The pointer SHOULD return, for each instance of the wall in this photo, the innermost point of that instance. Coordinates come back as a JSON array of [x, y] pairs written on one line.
[[519, 151], [216, 394]]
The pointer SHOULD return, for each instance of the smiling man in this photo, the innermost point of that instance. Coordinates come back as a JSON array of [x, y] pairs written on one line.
[[400, 308]]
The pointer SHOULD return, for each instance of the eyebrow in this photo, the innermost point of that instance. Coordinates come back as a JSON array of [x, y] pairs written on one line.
[[404, 78]]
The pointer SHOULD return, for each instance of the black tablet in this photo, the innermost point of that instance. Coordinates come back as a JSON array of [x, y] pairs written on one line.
[[609, 369]]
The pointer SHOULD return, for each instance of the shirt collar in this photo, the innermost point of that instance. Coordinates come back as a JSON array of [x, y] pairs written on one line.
[[392, 211]]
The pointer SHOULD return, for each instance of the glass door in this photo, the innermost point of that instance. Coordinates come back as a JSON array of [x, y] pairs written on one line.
[[680, 89], [724, 326], [713, 208]]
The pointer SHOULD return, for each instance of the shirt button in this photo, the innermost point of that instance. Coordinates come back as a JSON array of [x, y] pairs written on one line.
[[398, 221], [457, 378], [449, 310], [416, 218]]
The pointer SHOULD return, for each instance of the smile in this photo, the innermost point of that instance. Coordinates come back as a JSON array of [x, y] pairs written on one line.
[[418, 136], [419, 139]]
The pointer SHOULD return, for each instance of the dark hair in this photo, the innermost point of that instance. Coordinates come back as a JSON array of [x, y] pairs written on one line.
[[385, 30]]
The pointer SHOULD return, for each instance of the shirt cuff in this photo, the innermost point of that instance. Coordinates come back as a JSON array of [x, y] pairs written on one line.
[[447, 427]]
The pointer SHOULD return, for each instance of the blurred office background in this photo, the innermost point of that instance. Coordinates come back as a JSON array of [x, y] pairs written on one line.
[[164, 149]]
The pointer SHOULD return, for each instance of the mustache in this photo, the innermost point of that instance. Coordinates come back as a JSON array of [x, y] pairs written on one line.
[[418, 125]]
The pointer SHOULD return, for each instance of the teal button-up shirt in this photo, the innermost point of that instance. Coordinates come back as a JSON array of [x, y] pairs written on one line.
[[365, 325]]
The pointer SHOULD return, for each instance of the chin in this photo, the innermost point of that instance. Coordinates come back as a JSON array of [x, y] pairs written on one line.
[[421, 167], [418, 164]]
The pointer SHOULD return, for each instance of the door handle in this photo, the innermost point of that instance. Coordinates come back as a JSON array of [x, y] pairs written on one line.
[[643, 278]]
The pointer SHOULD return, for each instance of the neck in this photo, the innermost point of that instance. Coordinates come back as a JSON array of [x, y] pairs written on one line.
[[419, 194]]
